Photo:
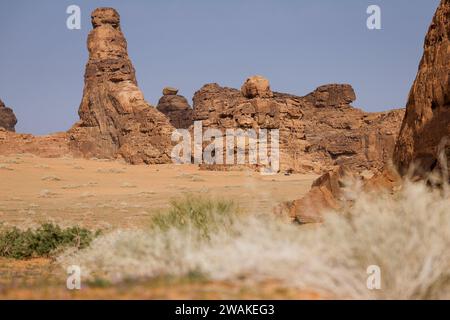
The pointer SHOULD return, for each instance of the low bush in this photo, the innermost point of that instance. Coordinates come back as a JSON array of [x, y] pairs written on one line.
[[43, 241]]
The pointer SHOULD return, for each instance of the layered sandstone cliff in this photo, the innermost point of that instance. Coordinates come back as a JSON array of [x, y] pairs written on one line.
[[115, 120], [317, 131]]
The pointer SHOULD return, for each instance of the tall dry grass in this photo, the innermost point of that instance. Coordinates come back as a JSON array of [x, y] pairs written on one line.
[[407, 235]]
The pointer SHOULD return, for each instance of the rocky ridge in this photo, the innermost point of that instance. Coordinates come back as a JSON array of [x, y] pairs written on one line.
[[317, 131]]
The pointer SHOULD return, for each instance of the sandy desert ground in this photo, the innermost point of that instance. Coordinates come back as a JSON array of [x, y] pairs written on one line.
[[100, 194]]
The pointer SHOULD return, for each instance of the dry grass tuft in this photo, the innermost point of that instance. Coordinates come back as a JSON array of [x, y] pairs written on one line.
[[407, 235]]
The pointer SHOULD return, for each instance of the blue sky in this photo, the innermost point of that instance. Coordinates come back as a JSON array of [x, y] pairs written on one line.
[[297, 44]]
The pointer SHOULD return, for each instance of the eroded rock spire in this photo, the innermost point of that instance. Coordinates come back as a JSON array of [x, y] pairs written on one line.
[[115, 120]]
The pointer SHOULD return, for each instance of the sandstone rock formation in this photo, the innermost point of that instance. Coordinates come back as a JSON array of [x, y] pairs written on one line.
[[8, 120], [427, 120], [176, 108], [48, 146], [317, 131], [256, 87], [325, 194], [328, 192], [424, 138], [115, 120]]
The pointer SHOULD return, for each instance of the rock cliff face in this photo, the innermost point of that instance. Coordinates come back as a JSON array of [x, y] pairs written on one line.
[[425, 132], [8, 120], [115, 120], [317, 131], [176, 108], [424, 138]]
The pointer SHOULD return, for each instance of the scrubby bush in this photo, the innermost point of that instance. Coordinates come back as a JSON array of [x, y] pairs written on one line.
[[41, 242]]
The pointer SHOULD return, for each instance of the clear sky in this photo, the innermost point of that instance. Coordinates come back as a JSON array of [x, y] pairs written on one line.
[[297, 44]]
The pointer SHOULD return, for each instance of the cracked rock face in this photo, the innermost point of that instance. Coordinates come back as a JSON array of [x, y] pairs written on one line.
[[425, 132], [8, 120], [317, 131], [115, 120]]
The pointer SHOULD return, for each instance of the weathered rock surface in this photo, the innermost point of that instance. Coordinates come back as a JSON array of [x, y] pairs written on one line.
[[115, 120], [256, 87], [169, 91], [8, 120], [427, 120], [317, 131], [325, 194], [176, 108], [423, 141], [48, 146], [328, 192]]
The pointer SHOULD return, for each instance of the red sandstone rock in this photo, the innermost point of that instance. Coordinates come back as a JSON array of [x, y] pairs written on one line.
[[49, 146], [325, 194], [256, 87], [115, 120], [317, 132], [427, 120], [176, 108]]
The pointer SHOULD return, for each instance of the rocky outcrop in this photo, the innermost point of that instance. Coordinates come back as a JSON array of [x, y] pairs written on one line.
[[48, 146], [336, 189], [317, 131], [8, 120], [115, 120], [425, 132], [176, 108], [325, 194], [332, 95]]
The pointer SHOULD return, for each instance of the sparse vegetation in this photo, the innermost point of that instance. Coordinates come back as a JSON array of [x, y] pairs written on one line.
[[205, 215], [43, 241], [406, 235]]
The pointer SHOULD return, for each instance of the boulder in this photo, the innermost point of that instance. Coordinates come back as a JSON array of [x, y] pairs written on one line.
[[256, 87], [333, 95], [8, 120], [325, 194], [169, 91], [176, 108]]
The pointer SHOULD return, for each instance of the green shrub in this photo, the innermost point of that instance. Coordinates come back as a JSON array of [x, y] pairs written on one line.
[[43, 241], [204, 214]]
